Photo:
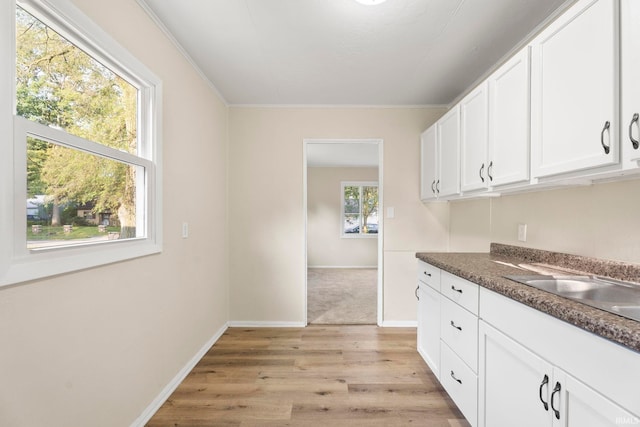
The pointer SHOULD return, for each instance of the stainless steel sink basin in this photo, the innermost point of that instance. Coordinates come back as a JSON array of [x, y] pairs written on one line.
[[622, 298], [632, 311]]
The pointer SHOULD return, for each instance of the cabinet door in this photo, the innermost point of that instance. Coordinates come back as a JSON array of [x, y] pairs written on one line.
[[448, 134], [580, 406], [575, 90], [429, 327], [630, 115], [514, 383], [428, 164], [474, 125], [509, 120]]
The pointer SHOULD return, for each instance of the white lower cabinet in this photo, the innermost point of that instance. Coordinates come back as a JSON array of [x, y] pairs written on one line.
[[460, 382], [582, 406], [429, 326], [514, 383], [535, 370], [448, 334], [518, 387], [505, 364]]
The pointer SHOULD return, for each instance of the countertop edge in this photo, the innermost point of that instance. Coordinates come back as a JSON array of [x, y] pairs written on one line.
[[487, 270]]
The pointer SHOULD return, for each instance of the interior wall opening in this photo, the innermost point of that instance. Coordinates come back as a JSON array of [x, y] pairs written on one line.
[[343, 231]]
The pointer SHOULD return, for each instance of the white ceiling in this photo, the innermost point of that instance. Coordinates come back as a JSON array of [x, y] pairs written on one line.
[[339, 52]]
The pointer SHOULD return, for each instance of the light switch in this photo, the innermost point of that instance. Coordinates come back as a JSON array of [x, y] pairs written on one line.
[[185, 230], [391, 212]]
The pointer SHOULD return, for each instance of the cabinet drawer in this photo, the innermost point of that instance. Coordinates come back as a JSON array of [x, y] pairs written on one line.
[[459, 329], [460, 382], [460, 291], [429, 275]]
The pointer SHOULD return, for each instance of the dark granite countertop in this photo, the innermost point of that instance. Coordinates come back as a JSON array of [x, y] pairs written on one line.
[[488, 269]]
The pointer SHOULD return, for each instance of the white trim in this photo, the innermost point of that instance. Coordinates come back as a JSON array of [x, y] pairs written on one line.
[[342, 266], [18, 265], [175, 381], [380, 232], [333, 106], [400, 324], [147, 9], [264, 324], [305, 230]]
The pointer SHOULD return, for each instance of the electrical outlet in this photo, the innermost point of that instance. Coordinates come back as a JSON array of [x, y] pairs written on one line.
[[522, 232], [185, 230]]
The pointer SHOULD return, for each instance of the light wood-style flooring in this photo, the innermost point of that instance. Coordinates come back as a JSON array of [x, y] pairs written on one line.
[[314, 376]]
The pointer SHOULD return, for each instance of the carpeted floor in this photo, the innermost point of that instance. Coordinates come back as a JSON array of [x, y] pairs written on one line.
[[342, 296]]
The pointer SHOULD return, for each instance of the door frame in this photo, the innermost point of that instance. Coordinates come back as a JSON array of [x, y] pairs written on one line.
[[380, 143]]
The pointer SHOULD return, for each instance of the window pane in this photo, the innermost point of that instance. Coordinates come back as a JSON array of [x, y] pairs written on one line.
[[371, 224], [351, 224], [370, 209], [352, 199], [76, 197], [59, 85]]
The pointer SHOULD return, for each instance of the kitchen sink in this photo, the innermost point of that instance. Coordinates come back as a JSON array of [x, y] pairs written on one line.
[[622, 298], [632, 311]]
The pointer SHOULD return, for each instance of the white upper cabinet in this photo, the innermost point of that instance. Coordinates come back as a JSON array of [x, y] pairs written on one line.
[[630, 115], [495, 128], [448, 136], [509, 121], [440, 158], [428, 164], [474, 136], [575, 90]]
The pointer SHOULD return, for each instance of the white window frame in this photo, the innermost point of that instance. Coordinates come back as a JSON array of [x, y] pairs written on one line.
[[17, 263], [360, 184]]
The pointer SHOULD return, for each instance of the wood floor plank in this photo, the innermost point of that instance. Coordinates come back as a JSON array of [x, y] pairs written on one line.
[[319, 375]]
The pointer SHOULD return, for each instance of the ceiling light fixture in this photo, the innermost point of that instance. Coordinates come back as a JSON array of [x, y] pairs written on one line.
[[370, 2]]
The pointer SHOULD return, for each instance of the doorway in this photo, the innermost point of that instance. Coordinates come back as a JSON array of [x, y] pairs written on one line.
[[343, 231]]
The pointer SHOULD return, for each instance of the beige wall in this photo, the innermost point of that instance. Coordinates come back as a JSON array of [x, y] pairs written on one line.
[[601, 220], [94, 348], [325, 245], [265, 185]]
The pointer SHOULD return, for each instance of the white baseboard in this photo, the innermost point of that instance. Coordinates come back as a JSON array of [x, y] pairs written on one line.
[[342, 266], [175, 382], [264, 324], [400, 324]]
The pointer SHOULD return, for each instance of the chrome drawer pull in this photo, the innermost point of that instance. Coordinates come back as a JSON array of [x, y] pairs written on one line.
[[455, 289], [455, 326], [427, 274]]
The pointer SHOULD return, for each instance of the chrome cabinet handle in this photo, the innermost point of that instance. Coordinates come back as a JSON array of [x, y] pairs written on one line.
[[481, 171], [556, 389], [456, 326], [427, 274], [433, 190], [634, 141], [438, 186], [489, 170], [456, 289], [453, 375], [544, 382], [606, 127], [416, 292]]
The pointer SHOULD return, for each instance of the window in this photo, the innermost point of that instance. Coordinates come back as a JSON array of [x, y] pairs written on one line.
[[359, 209], [85, 188]]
